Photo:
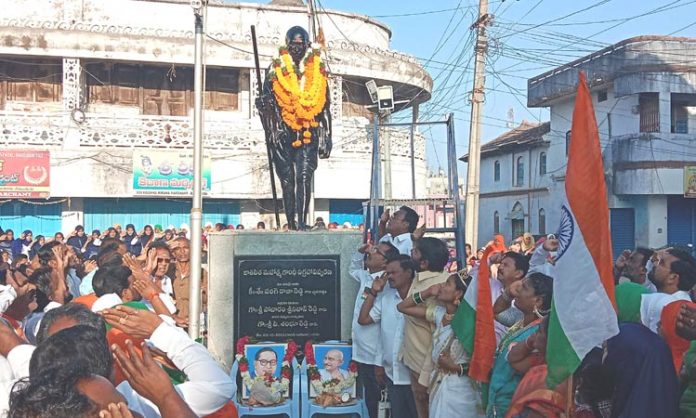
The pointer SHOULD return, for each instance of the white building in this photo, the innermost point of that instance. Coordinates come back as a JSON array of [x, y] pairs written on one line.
[[644, 94], [106, 85], [515, 183]]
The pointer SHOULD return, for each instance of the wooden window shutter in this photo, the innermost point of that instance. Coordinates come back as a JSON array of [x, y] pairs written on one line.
[[19, 87], [222, 89], [177, 95], [126, 80], [48, 83], [100, 87]]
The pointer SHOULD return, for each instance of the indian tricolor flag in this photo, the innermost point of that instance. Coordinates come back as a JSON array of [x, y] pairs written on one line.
[[473, 321], [582, 313]]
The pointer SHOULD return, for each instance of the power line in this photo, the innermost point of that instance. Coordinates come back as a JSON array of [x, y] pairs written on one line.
[[429, 12], [592, 6]]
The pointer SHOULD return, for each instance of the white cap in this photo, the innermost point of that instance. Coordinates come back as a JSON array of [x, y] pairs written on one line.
[[208, 224], [347, 224], [184, 226]]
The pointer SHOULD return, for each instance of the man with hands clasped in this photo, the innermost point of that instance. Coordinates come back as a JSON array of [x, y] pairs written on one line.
[[368, 264], [379, 307]]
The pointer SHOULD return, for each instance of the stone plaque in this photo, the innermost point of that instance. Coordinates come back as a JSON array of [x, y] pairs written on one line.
[[287, 297]]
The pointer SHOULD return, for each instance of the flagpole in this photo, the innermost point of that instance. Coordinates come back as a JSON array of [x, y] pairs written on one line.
[[197, 202], [570, 398]]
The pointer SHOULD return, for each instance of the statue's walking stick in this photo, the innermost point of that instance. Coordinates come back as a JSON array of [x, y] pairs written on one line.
[[266, 128]]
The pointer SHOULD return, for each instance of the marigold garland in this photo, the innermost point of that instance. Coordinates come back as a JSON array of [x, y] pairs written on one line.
[[300, 93], [277, 385], [333, 386]]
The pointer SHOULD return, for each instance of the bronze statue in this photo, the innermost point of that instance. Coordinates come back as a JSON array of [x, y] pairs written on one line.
[[295, 112]]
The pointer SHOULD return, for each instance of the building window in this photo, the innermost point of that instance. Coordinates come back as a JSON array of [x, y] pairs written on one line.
[[517, 220], [155, 90], [496, 222], [567, 143], [602, 96], [542, 163], [222, 89], [520, 172], [682, 107], [35, 81], [649, 105], [496, 171], [542, 222]]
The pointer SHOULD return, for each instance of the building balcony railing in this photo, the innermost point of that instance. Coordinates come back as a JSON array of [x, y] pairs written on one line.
[[57, 130], [32, 129], [653, 150]]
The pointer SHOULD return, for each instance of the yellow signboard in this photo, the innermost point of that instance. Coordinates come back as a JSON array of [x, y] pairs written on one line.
[[690, 181]]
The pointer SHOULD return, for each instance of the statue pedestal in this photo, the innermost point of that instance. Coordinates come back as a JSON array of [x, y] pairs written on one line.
[[276, 286]]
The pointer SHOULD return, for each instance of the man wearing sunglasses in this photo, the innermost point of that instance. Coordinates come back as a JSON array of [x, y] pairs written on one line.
[[162, 262]]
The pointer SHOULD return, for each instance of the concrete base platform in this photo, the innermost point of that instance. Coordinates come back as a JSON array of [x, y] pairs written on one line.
[[279, 284]]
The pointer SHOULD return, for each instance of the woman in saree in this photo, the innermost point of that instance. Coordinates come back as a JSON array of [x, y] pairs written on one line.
[[533, 398], [452, 393], [534, 300]]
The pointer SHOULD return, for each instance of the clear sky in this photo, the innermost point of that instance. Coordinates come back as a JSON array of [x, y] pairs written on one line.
[[527, 38]]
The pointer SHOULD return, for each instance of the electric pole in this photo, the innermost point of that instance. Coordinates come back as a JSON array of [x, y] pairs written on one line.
[[387, 159], [477, 99]]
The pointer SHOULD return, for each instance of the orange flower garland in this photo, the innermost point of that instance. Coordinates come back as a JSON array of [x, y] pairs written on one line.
[[302, 96]]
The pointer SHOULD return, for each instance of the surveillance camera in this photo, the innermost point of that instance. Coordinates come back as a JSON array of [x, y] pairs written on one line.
[[372, 90], [196, 4]]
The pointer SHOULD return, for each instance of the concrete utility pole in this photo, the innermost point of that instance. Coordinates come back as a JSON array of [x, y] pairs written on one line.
[[477, 99], [387, 159], [197, 204], [414, 121]]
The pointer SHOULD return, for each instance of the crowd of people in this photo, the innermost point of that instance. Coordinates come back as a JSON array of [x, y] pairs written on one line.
[[88, 245], [403, 338], [94, 325]]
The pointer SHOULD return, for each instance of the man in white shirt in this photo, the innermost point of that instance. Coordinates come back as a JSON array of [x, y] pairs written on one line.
[[397, 228], [674, 276], [380, 307], [365, 337]]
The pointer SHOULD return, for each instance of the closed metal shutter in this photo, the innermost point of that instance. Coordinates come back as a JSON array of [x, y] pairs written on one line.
[[681, 220], [42, 217], [346, 210], [103, 213], [623, 230]]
